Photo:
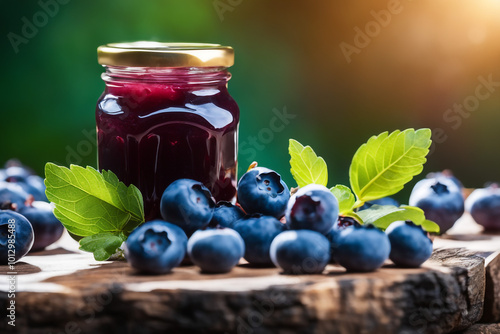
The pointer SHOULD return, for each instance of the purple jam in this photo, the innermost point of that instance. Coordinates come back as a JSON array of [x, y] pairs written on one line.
[[153, 130]]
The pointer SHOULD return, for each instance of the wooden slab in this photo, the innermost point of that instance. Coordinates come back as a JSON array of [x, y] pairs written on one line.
[[65, 290], [468, 235], [483, 329]]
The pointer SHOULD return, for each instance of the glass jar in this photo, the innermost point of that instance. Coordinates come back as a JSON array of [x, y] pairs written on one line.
[[166, 114]]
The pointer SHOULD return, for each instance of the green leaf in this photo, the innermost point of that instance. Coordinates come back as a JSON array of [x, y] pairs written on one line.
[[344, 196], [103, 245], [381, 215], [382, 166], [88, 202], [430, 226], [306, 166], [353, 215], [384, 215]]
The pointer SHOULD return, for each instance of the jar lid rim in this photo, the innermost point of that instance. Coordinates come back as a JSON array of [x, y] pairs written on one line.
[[157, 54]]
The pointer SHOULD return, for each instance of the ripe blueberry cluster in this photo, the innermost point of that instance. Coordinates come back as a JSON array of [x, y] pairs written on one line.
[[220, 234], [23, 201], [299, 233]]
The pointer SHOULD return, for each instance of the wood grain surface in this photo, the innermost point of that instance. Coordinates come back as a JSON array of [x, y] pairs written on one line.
[[63, 290]]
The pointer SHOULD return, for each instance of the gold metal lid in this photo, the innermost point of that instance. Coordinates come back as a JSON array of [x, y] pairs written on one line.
[[155, 54]]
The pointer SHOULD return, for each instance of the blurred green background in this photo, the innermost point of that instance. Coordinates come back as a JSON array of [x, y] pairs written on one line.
[[345, 71]]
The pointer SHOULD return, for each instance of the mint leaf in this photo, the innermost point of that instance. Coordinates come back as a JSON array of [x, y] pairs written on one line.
[[382, 166], [88, 202], [344, 196], [306, 166], [103, 245]]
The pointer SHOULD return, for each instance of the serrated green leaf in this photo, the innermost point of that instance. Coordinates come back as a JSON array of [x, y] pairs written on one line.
[[88, 202], [381, 216], [417, 216], [430, 226], [344, 196], [383, 165], [384, 215], [103, 245], [306, 166]]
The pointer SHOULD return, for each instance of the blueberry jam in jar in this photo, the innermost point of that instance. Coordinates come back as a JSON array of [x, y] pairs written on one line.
[[166, 114]]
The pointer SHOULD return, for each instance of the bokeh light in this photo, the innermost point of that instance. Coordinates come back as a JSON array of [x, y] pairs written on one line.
[[417, 64]]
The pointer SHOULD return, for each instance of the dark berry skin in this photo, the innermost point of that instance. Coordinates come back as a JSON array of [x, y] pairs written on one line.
[[300, 252], [16, 174], [441, 200], [261, 190], [188, 204], [362, 249], [156, 247], [410, 245], [12, 193], [258, 232], [23, 235], [45, 225], [225, 214], [447, 174], [314, 208], [216, 250], [484, 207], [341, 224], [34, 185], [380, 201]]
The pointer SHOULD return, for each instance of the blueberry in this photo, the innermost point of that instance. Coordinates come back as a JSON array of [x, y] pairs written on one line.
[[156, 247], [451, 182], [188, 204], [13, 163], [261, 190], [12, 193], [341, 224], [410, 245], [300, 252], [484, 207], [14, 226], [225, 214], [216, 250], [441, 200], [447, 174], [380, 201], [362, 249], [45, 225], [35, 186], [258, 232], [314, 208], [16, 174]]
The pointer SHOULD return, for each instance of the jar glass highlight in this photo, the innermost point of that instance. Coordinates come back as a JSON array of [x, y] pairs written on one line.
[[166, 114]]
